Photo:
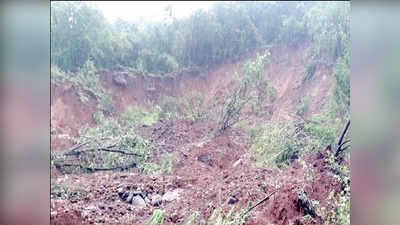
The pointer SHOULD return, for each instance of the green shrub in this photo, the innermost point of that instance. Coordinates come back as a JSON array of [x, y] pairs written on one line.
[[274, 147], [303, 107], [310, 71], [341, 92], [247, 89], [192, 106], [272, 93], [157, 218], [164, 167], [283, 142], [88, 85], [169, 107], [218, 218], [134, 115]]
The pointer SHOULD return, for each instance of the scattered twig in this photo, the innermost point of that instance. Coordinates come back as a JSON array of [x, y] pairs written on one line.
[[263, 200], [106, 149], [93, 169]]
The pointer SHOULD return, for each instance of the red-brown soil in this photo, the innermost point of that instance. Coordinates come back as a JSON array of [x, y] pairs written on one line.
[[205, 186], [285, 73], [208, 170]]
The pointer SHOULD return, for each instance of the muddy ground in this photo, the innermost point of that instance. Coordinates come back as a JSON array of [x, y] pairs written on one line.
[[208, 172]]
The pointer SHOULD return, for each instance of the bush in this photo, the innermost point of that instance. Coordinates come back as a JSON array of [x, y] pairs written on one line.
[[88, 84], [276, 146], [281, 143], [303, 107], [247, 89], [309, 73], [111, 144]]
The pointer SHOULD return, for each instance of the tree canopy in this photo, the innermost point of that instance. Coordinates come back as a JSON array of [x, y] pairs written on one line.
[[226, 31]]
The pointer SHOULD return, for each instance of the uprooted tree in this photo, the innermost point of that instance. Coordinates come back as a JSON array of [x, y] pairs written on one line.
[[251, 88]]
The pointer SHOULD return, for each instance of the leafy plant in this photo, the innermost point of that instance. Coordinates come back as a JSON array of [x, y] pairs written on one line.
[[163, 167], [88, 85], [246, 89], [302, 109], [218, 217], [157, 218]]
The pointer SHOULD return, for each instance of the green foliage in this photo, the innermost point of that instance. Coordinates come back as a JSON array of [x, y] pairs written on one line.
[[157, 218], [189, 106], [164, 167], [303, 107], [87, 83], [118, 134], [256, 132], [274, 147], [310, 71], [341, 92], [283, 142], [272, 93], [329, 27], [192, 106], [218, 217], [65, 191], [250, 88], [169, 107], [191, 218], [340, 213], [134, 115], [225, 32]]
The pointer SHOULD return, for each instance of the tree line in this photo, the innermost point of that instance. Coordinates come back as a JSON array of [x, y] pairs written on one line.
[[227, 31]]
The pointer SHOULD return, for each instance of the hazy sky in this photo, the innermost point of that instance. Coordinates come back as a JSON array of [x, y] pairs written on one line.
[[148, 10]]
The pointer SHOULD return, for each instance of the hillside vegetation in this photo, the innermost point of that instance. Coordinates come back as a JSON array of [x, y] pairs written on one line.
[[195, 120]]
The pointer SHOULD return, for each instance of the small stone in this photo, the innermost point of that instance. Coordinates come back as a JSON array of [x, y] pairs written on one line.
[[231, 200], [171, 195], [205, 158], [156, 200], [120, 80], [120, 191], [138, 201], [130, 197], [237, 163], [140, 193]]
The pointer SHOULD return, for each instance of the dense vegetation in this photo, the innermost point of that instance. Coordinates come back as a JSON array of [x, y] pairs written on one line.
[[227, 31]]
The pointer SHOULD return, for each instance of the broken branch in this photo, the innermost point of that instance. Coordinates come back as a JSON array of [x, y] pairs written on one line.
[[260, 202], [340, 144]]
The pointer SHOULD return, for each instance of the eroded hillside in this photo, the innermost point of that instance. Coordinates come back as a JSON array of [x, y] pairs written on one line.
[[188, 170], [285, 74]]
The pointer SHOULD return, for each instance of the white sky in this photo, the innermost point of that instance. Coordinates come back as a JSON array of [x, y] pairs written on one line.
[[148, 10]]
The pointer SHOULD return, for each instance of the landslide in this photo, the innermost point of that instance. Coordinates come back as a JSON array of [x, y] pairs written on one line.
[[285, 73]]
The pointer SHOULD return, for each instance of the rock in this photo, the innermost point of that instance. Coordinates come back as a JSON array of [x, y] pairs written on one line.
[[156, 200], [138, 202], [171, 195], [140, 193], [147, 200], [120, 191], [231, 200], [304, 204], [237, 163], [205, 158], [130, 197], [120, 80], [89, 210]]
